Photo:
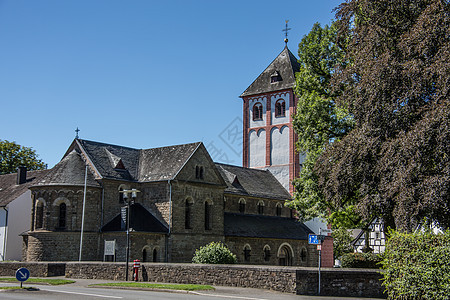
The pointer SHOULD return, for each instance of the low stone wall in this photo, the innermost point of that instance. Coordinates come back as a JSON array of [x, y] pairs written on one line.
[[340, 282], [37, 269], [302, 281]]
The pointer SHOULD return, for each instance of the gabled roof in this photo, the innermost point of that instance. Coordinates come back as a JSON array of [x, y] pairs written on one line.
[[141, 220], [259, 226], [10, 190], [164, 163], [252, 182], [142, 165], [71, 171], [286, 65]]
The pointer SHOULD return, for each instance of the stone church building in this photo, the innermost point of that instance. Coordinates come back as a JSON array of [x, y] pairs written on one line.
[[185, 199]]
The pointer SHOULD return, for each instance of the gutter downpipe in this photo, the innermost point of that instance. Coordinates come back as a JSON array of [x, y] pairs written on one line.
[[6, 234], [170, 220]]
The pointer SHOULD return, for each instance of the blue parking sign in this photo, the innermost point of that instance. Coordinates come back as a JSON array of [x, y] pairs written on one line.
[[313, 239]]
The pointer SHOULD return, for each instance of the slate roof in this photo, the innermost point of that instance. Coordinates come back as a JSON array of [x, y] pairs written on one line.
[[286, 65], [71, 171], [10, 191], [143, 165], [141, 220], [259, 226], [164, 163], [252, 182]]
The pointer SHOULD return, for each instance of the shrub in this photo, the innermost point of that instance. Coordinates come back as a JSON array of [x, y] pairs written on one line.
[[214, 253], [417, 265], [361, 260]]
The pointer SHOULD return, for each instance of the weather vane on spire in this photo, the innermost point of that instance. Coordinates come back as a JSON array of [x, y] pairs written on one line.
[[286, 32], [77, 130]]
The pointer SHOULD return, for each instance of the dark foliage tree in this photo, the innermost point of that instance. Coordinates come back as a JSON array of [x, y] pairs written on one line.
[[13, 156], [395, 162]]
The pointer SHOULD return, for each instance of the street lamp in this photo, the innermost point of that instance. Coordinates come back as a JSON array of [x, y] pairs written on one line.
[[133, 193]]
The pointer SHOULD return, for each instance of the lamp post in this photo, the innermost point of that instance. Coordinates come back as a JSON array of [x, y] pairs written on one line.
[[133, 193]]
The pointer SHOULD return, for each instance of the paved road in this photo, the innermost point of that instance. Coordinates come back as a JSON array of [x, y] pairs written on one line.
[[80, 290]]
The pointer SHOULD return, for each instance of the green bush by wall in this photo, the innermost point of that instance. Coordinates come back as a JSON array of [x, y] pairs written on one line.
[[361, 260], [417, 265], [214, 253]]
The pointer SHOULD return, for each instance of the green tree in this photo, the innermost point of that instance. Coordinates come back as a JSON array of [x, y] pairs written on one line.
[[318, 121], [13, 156], [214, 253], [395, 162]]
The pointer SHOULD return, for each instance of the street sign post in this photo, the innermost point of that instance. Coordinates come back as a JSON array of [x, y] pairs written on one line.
[[22, 275]]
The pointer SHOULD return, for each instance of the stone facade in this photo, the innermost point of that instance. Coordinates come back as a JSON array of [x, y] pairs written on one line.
[[182, 205]]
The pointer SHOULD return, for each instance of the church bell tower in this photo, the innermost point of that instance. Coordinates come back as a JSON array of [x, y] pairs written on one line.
[[268, 105]]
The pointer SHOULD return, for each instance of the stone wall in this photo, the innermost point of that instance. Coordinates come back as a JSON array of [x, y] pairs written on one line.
[[302, 281], [37, 269], [340, 282]]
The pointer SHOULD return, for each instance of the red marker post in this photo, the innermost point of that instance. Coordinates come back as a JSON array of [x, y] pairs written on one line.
[[136, 266]]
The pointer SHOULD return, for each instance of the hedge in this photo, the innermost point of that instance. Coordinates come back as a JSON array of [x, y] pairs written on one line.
[[417, 265], [361, 260]]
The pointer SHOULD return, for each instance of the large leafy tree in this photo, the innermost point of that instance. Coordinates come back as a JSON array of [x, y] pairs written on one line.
[[395, 162], [13, 156], [318, 121]]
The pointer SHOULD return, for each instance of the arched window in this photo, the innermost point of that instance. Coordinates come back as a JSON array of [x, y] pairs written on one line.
[[257, 111], [188, 213], [242, 206], [261, 207], [267, 253], [303, 255], [155, 255], [280, 108], [39, 218], [144, 255], [199, 171], [247, 254], [62, 216], [278, 210], [207, 215], [285, 255], [121, 195]]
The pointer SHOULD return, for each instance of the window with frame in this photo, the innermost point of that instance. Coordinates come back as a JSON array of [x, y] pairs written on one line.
[[247, 254], [62, 216], [261, 208], [207, 216], [199, 172], [280, 108], [257, 112], [39, 215], [278, 210], [188, 214], [275, 77], [267, 253], [121, 195], [242, 206]]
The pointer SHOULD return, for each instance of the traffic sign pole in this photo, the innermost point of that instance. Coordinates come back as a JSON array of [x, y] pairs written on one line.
[[22, 275]]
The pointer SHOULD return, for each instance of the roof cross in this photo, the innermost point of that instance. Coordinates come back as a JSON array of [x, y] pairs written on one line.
[[286, 32], [77, 130]]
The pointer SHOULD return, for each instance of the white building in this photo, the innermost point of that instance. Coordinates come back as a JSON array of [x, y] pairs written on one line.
[[15, 209]]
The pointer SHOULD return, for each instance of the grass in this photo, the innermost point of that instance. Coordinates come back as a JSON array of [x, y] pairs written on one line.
[[18, 288], [182, 287], [39, 280]]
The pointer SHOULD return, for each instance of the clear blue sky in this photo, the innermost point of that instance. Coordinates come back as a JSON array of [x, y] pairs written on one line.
[[136, 73]]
